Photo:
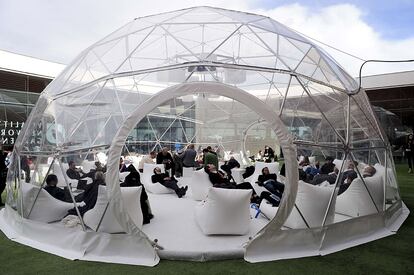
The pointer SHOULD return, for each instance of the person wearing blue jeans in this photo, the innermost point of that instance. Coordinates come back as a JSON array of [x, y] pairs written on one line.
[[275, 188]]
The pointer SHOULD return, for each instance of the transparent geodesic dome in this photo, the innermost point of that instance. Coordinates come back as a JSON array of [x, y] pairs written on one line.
[[207, 76]]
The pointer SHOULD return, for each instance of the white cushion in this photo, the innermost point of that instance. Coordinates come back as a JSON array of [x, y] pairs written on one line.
[[338, 164], [225, 211], [46, 208], [155, 188], [312, 202], [123, 175], [200, 184], [312, 160], [135, 160], [237, 174], [131, 199], [88, 165], [356, 201]]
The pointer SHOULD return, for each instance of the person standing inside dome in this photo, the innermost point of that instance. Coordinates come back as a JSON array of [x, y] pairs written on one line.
[[409, 152]]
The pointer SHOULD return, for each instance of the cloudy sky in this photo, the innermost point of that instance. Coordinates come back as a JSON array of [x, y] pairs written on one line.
[[371, 29]]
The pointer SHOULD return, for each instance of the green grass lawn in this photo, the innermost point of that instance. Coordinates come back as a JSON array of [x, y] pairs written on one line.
[[391, 255]]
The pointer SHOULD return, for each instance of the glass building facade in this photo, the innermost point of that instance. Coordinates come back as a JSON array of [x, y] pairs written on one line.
[[18, 95]]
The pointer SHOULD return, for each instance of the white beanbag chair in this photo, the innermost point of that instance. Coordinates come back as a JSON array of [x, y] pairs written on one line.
[[155, 188], [312, 202], [46, 208], [188, 172], [131, 199], [355, 201], [225, 211], [200, 184]]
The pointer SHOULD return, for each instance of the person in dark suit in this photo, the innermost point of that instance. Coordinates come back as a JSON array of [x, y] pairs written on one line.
[[167, 181], [164, 157], [90, 195], [328, 166], [3, 172], [269, 154], [56, 192], [78, 174], [220, 180], [409, 152]]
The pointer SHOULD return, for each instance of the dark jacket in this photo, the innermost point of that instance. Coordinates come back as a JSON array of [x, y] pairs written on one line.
[[72, 174], [220, 181], [318, 179], [160, 177], [188, 158], [262, 178], [327, 168], [133, 179], [58, 193], [161, 158]]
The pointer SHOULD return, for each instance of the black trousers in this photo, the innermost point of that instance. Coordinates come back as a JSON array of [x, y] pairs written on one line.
[[410, 159], [172, 184], [3, 177]]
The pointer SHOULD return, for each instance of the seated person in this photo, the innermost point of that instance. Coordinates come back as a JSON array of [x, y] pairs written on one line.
[[90, 195], [328, 166], [331, 178], [78, 174], [150, 159], [169, 182], [269, 181], [275, 188], [304, 163], [58, 193], [369, 171], [269, 154], [347, 179], [230, 164], [164, 157], [220, 180], [133, 179], [312, 170]]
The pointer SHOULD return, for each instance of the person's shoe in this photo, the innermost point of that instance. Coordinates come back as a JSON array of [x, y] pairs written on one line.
[[150, 216], [410, 171], [179, 193], [186, 188]]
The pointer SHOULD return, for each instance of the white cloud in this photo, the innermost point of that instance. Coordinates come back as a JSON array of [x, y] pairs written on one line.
[[59, 30], [343, 26]]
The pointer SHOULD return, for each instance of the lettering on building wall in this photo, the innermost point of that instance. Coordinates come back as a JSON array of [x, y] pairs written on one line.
[[9, 130]]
